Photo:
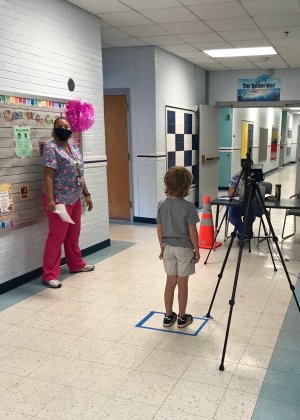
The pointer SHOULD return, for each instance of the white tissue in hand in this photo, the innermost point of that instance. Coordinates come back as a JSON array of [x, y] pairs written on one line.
[[61, 210]]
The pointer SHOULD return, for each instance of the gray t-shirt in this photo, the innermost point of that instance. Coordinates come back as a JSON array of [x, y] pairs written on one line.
[[176, 214]]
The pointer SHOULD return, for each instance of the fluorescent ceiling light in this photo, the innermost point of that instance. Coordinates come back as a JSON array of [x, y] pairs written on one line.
[[240, 52], [294, 109]]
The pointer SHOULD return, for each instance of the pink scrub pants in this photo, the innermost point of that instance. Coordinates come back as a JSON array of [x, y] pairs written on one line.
[[62, 233]]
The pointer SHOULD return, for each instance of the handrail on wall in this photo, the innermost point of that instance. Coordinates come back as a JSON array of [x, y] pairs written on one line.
[[206, 159]]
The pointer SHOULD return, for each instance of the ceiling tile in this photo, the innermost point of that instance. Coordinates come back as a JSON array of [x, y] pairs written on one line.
[[151, 4], [270, 62], [294, 64], [278, 21], [266, 7], [179, 48], [211, 45], [236, 60], [124, 19], [289, 50], [241, 66], [162, 40], [197, 2], [294, 31], [194, 55], [205, 37], [251, 43], [144, 30], [231, 24], [112, 33], [241, 35], [128, 42], [219, 11], [170, 14], [186, 27], [283, 42], [103, 6]]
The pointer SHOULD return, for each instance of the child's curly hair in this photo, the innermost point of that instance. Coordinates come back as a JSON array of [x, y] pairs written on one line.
[[178, 181]]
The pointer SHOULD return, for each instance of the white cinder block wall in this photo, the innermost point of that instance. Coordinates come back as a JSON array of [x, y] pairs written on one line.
[[178, 83], [155, 78], [133, 69], [42, 44]]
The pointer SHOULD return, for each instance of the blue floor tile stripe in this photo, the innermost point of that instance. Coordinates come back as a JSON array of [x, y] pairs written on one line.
[[279, 398]]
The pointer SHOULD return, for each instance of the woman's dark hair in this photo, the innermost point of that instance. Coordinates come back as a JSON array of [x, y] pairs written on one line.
[[178, 181], [57, 119]]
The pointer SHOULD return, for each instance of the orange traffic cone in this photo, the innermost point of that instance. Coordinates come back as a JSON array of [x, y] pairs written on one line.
[[206, 231]]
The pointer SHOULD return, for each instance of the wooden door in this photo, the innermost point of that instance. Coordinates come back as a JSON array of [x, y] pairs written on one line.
[[116, 140]]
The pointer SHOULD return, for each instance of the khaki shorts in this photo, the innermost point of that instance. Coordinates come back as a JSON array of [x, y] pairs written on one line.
[[177, 261]]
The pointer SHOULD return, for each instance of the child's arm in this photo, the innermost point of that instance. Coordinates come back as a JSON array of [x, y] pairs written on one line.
[[194, 238], [160, 235]]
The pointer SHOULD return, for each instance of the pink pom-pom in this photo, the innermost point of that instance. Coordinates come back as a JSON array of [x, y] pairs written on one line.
[[80, 115]]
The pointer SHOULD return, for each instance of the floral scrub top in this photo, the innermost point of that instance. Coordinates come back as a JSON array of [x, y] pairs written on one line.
[[65, 188], [234, 181]]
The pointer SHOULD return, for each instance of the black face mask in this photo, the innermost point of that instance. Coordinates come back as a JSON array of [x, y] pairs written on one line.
[[62, 134]]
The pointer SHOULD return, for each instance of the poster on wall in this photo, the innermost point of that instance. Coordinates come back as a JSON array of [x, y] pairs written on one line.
[[261, 88], [6, 200], [23, 146], [274, 143], [182, 140]]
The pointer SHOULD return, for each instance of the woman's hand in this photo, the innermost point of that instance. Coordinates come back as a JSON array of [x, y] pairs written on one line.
[[89, 203], [51, 205]]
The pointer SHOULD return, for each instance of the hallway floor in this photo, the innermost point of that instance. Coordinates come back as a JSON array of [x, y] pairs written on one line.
[[76, 353]]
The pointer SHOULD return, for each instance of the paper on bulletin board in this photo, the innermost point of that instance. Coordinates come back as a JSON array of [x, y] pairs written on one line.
[[24, 192], [23, 146], [6, 199]]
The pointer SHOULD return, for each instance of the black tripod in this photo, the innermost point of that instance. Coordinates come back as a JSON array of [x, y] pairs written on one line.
[[225, 217], [252, 197]]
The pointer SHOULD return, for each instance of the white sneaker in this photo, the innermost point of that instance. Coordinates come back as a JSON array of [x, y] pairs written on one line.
[[85, 269], [54, 284]]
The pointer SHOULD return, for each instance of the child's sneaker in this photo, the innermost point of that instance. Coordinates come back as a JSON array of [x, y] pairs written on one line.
[[184, 320], [169, 320]]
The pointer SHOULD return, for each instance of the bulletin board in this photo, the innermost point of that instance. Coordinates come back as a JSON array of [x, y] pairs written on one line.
[[25, 127]]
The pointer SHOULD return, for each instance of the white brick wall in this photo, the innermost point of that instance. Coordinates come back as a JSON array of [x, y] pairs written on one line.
[[178, 83], [42, 44], [133, 69], [155, 78]]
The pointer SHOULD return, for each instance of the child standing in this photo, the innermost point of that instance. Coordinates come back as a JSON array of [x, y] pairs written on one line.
[[178, 238]]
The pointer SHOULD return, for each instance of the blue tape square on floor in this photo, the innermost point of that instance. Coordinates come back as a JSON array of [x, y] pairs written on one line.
[[141, 324]]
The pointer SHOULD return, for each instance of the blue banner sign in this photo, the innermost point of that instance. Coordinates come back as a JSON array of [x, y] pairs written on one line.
[[262, 88]]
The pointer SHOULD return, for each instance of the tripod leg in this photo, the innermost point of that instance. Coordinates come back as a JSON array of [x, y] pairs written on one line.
[[268, 242], [215, 238], [232, 300], [275, 240], [220, 275]]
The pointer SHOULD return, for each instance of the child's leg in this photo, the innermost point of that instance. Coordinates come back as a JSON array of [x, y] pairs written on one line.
[[169, 293], [182, 294]]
